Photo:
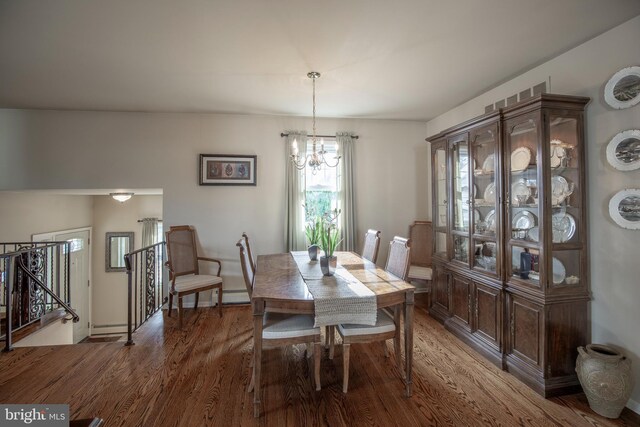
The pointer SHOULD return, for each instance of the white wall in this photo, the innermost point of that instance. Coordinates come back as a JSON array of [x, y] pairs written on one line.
[[615, 275], [109, 291], [24, 214], [88, 150]]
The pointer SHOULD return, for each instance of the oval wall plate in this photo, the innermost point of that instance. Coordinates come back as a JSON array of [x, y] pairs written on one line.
[[623, 151], [623, 88], [624, 208]]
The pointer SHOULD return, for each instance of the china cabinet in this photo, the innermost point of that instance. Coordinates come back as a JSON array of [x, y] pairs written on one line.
[[510, 251]]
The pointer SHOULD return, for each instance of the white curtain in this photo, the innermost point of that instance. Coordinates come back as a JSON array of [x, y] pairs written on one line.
[[294, 194], [346, 198], [150, 232]]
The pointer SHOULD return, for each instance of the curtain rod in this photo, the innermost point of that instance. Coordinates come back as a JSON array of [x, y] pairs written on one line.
[[142, 220], [319, 136]]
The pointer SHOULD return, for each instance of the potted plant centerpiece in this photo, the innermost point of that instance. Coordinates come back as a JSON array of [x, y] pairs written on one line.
[[330, 238], [313, 230]]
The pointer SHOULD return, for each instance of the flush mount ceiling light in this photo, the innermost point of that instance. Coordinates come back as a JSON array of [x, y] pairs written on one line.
[[121, 197], [316, 159]]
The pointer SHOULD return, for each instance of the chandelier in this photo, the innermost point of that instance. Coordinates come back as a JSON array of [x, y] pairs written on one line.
[[316, 159]]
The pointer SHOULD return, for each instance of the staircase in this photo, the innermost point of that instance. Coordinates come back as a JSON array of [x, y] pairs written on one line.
[[34, 288]]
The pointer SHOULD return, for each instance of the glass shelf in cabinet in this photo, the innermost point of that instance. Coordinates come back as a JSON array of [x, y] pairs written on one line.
[[528, 169], [481, 173], [489, 237]]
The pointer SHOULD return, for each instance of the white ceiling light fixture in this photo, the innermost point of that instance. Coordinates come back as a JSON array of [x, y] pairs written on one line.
[[316, 159], [121, 197]]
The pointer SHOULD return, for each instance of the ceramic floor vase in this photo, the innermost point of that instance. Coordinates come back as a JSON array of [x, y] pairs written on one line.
[[606, 378]]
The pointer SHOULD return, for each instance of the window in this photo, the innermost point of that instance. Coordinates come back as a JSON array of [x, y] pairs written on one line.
[[75, 245], [321, 187]]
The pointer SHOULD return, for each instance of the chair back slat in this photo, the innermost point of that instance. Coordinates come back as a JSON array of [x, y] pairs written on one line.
[[181, 250], [249, 253], [245, 262], [399, 257], [371, 245], [420, 233]]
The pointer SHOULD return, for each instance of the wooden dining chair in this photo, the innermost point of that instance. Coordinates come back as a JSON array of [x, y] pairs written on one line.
[[420, 233], [387, 324], [281, 329], [184, 271], [371, 245]]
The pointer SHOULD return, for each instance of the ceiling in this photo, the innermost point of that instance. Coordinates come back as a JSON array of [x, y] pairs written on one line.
[[406, 59]]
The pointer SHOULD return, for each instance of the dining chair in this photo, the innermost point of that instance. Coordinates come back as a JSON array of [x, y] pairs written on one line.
[[184, 271], [281, 329], [371, 245], [420, 233], [387, 324]]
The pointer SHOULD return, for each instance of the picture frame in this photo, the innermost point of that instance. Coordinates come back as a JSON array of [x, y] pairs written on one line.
[[228, 169], [117, 244]]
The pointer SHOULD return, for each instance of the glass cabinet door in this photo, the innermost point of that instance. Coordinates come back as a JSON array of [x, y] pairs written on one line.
[[563, 157], [522, 223], [462, 196], [440, 197], [485, 203]]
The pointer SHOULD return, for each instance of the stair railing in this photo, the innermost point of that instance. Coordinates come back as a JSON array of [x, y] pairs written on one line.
[[35, 279], [145, 294]]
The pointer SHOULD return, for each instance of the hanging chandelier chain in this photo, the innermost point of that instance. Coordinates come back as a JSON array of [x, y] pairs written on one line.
[[316, 159]]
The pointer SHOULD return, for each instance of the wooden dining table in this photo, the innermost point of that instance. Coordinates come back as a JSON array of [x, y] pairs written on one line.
[[279, 287]]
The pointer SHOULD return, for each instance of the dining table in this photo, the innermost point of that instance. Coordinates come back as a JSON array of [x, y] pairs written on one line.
[[279, 287]]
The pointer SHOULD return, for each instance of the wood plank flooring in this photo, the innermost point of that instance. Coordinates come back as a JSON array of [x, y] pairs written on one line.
[[199, 376]]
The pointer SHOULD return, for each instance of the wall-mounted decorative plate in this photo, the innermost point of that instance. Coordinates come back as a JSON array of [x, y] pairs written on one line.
[[623, 151], [624, 208], [623, 88]]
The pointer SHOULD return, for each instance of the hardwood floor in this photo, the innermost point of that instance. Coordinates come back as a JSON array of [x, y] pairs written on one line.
[[199, 376]]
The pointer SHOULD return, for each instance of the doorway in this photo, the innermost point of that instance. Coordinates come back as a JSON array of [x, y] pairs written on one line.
[[79, 274]]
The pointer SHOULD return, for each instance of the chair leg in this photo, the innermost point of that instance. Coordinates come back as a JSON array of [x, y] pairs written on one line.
[[326, 336], [345, 367], [195, 304], [220, 300], [385, 348], [310, 350], [316, 363], [179, 312], [170, 304], [332, 340]]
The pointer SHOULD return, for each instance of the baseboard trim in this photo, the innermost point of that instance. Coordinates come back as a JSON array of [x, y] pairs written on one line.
[[634, 406], [108, 329]]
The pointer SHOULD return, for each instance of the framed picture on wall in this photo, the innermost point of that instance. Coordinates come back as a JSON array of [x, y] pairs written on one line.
[[227, 169]]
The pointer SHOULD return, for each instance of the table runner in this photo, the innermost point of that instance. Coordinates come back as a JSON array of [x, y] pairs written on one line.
[[340, 298]]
